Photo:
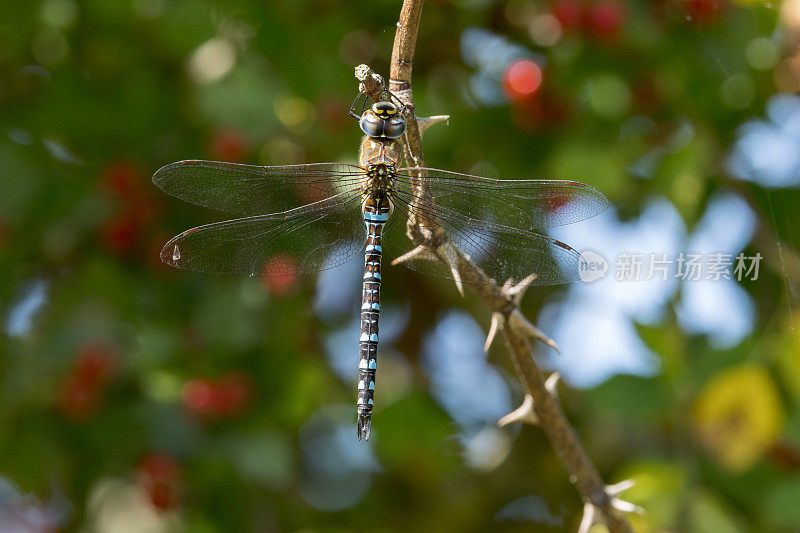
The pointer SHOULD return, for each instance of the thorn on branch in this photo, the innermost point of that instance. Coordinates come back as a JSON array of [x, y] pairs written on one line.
[[447, 253], [515, 292], [497, 321], [523, 327], [618, 503], [551, 384], [423, 123], [589, 518], [625, 507], [420, 252], [526, 413], [618, 488], [450, 257]]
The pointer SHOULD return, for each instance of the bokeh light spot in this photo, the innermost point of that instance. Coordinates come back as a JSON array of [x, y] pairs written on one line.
[[522, 78], [212, 60], [59, 13], [294, 112], [608, 96], [762, 53], [545, 30]]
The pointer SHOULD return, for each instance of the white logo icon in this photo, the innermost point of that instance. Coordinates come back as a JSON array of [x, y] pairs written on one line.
[[592, 266]]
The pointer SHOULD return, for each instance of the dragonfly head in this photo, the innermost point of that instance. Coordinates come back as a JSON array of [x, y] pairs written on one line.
[[383, 120]]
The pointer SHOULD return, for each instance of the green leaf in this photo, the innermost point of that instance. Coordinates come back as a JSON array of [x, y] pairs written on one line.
[[781, 505], [631, 398]]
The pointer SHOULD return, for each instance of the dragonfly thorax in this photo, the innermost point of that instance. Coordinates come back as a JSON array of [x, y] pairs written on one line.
[[377, 151], [380, 178]]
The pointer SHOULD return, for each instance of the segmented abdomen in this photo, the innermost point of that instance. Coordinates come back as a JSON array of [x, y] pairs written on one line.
[[376, 213]]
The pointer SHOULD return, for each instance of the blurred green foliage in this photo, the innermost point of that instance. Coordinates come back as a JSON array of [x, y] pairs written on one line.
[[144, 399]]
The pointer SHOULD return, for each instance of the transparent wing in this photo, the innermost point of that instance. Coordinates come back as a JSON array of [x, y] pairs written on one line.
[[502, 251], [523, 204], [316, 236], [254, 190]]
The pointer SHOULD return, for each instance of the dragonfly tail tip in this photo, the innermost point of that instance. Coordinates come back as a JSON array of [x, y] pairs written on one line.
[[364, 423]]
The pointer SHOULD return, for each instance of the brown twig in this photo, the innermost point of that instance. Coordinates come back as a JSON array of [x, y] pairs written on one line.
[[601, 501]]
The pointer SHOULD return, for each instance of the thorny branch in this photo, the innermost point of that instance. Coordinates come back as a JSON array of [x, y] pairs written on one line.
[[541, 406]]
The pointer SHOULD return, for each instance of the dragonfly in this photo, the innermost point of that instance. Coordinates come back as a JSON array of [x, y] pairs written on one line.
[[329, 213]]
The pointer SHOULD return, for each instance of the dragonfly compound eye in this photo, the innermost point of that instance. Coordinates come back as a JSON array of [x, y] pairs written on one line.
[[383, 120], [376, 126], [394, 127], [371, 124]]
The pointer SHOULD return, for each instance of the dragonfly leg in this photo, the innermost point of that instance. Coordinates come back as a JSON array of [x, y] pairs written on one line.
[[353, 107]]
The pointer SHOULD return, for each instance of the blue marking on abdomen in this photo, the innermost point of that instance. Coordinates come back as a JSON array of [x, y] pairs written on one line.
[[376, 217]]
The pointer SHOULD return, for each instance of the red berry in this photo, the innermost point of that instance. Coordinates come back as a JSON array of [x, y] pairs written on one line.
[[198, 395], [703, 12], [521, 79], [94, 365], [77, 402], [135, 207], [228, 145], [232, 394], [570, 13], [224, 398], [606, 19], [121, 234], [159, 476], [121, 179], [161, 496], [81, 393], [279, 273], [158, 467]]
